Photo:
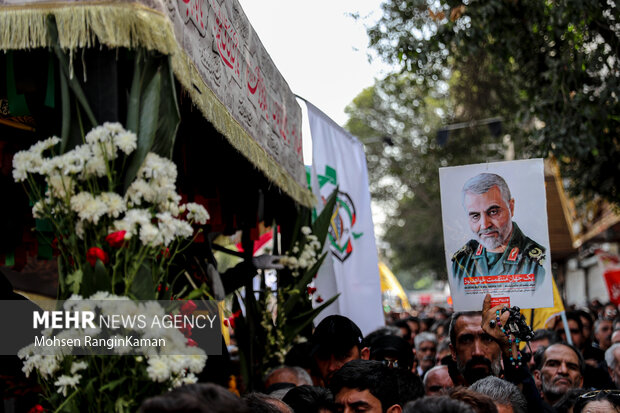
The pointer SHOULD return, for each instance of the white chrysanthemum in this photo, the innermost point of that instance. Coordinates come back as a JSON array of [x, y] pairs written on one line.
[[79, 229], [30, 364], [150, 235], [134, 218], [25, 162], [195, 362], [155, 166], [119, 349], [37, 209], [95, 166], [77, 366], [115, 203], [45, 365], [105, 150], [98, 134], [100, 295], [65, 382], [44, 145], [183, 229], [88, 207], [140, 190], [152, 309], [197, 213], [60, 186], [306, 230], [158, 370], [126, 141], [182, 380]]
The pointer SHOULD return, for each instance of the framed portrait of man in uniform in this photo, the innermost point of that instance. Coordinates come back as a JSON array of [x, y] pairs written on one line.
[[496, 235]]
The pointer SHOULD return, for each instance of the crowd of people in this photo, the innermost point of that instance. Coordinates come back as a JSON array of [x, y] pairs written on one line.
[[434, 361]]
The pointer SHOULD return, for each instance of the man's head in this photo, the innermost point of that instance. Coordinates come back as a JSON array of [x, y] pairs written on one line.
[[506, 396], [542, 338], [575, 327], [197, 397], [414, 326], [561, 369], [588, 323], [436, 380], [426, 350], [489, 206], [291, 375], [612, 358], [602, 332], [393, 351], [476, 354], [365, 385], [336, 340]]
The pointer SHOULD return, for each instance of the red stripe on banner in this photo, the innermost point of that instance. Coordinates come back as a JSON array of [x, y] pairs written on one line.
[[496, 279], [500, 301]]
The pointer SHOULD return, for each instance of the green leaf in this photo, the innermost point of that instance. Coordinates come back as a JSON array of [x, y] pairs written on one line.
[[101, 280], [147, 125], [295, 325], [169, 114], [300, 285], [320, 226], [74, 281], [142, 286], [113, 384]]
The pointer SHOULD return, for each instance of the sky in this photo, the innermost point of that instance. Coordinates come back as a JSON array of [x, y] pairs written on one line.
[[319, 49]]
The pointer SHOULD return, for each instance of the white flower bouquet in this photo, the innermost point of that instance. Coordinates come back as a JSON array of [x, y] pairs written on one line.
[[113, 233], [106, 383]]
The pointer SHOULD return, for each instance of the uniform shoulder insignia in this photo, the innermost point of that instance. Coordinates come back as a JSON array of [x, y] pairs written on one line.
[[465, 250], [537, 253]]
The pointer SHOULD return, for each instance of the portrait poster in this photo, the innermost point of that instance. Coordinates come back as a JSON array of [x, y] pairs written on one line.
[[496, 236]]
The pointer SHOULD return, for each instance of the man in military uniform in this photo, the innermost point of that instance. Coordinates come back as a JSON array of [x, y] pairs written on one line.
[[499, 247]]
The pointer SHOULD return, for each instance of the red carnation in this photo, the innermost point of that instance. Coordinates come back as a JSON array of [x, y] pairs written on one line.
[[96, 253], [191, 343], [189, 307], [37, 409], [116, 239]]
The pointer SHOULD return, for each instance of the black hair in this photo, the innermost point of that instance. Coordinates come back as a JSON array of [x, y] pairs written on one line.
[[574, 315], [437, 404], [263, 403], [309, 399], [299, 355], [453, 321], [335, 335], [380, 380], [195, 398], [402, 323], [543, 333], [539, 356], [410, 386]]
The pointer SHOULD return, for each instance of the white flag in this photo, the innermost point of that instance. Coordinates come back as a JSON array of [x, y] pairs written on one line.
[[351, 268]]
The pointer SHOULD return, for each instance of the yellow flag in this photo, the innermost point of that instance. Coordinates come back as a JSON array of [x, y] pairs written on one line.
[[389, 282], [543, 317]]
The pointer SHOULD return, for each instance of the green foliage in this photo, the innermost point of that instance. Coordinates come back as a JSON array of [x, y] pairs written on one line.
[[559, 59], [287, 314], [404, 175]]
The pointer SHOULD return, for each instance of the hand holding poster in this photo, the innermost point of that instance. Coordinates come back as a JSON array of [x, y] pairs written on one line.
[[487, 251]]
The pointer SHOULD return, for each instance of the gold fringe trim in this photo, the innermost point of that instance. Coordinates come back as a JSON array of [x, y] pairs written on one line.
[[134, 25]]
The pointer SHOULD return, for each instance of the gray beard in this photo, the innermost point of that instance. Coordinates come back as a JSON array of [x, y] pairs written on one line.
[[551, 391], [496, 367], [493, 243]]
